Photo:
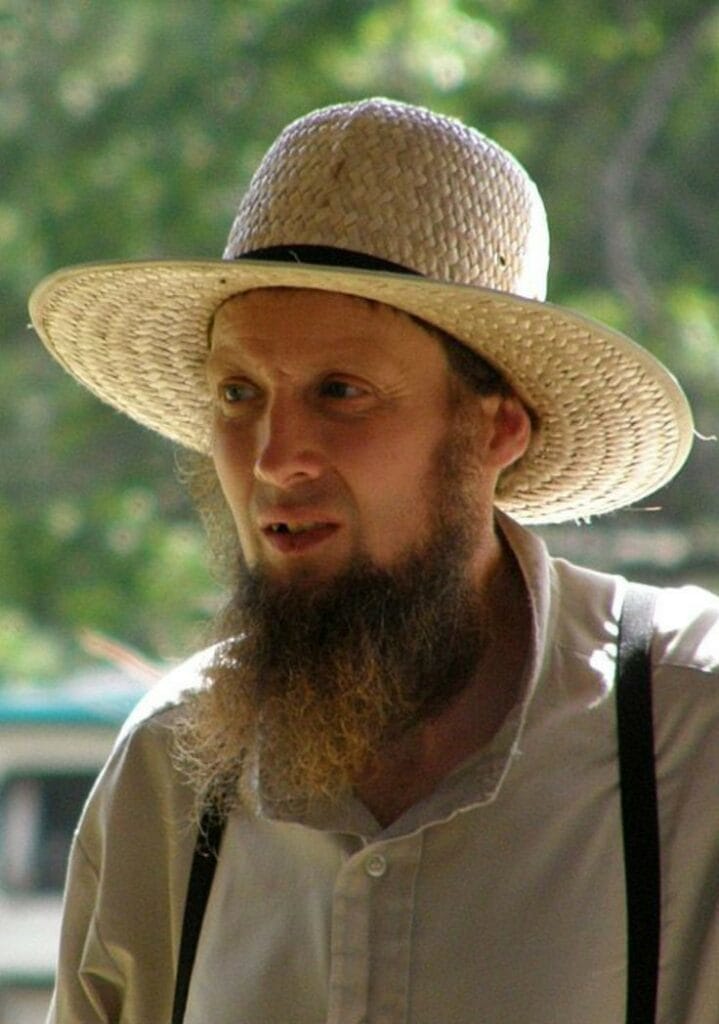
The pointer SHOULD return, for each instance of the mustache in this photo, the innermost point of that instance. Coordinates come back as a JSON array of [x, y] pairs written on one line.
[[322, 494]]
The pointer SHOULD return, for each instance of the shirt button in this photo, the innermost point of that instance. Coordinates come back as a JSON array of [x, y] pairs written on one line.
[[375, 865]]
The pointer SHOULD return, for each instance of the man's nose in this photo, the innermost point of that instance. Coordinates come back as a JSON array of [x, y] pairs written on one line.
[[289, 444]]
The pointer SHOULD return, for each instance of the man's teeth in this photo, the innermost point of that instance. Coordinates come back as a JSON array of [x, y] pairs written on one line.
[[294, 528]]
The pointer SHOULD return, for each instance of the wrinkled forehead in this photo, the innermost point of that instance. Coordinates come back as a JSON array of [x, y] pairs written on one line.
[[307, 301], [314, 320]]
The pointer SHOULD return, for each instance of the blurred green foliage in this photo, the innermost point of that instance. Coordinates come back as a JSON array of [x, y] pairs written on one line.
[[129, 130]]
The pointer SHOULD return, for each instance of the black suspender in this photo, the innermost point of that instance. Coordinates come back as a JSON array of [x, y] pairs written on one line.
[[202, 872], [640, 818], [639, 823]]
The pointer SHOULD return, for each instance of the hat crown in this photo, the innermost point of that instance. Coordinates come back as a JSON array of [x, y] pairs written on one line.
[[402, 184]]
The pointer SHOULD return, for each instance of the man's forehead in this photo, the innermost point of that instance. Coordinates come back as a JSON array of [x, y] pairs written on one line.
[[302, 329], [337, 314], [319, 298]]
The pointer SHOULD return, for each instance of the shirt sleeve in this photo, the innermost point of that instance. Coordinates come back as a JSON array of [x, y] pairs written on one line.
[[126, 886], [88, 986]]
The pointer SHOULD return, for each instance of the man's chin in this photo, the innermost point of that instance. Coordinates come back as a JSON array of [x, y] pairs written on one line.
[[302, 573]]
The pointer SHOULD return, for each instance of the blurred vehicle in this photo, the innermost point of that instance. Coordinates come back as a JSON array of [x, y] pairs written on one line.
[[53, 741]]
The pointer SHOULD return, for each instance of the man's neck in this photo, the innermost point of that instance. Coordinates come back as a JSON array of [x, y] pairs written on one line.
[[410, 768]]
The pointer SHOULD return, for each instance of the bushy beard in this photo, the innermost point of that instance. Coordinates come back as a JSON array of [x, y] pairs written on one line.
[[311, 683]]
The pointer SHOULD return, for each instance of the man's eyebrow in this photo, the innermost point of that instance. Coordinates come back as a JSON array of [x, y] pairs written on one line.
[[223, 355]]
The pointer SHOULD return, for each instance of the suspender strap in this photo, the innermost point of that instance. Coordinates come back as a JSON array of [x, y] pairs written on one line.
[[202, 872], [640, 818]]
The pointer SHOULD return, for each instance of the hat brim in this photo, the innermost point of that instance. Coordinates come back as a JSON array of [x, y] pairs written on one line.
[[614, 425]]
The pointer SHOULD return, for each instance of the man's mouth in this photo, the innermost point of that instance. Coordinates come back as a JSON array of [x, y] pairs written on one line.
[[294, 538], [295, 527]]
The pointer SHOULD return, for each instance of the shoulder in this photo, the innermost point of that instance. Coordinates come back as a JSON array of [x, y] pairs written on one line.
[[686, 618], [140, 782], [686, 629], [685, 683], [165, 700], [130, 861], [585, 620]]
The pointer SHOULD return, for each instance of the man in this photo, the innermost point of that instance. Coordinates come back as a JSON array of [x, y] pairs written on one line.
[[407, 728]]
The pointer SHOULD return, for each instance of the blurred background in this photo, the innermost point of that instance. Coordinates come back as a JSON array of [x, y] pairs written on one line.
[[129, 130]]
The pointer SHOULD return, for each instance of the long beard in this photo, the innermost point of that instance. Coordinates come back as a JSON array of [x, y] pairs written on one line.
[[310, 684]]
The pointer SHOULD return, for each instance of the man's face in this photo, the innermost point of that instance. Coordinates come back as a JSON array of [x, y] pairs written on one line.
[[328, 414], [360, 475]]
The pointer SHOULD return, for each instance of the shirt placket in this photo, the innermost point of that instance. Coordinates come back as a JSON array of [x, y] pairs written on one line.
[[372, 920]]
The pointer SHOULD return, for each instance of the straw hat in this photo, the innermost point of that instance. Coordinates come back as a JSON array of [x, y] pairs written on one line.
[[395, 203]]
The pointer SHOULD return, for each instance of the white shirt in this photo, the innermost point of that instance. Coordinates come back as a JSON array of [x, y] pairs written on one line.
[[499, 899]]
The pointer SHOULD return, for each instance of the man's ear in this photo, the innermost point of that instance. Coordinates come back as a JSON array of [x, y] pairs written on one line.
[[510, 429]]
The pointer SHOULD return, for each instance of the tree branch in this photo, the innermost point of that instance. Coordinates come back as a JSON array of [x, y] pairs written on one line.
[[618, 182]]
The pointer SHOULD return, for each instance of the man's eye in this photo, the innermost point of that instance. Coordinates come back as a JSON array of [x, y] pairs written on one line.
[[342, 389], [233, 394]]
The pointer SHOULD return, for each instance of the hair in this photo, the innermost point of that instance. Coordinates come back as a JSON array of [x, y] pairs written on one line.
[[196, 473], [472, 369]]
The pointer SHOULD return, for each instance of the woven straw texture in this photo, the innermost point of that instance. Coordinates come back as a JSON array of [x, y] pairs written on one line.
[[423, 191], [403, 184]]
